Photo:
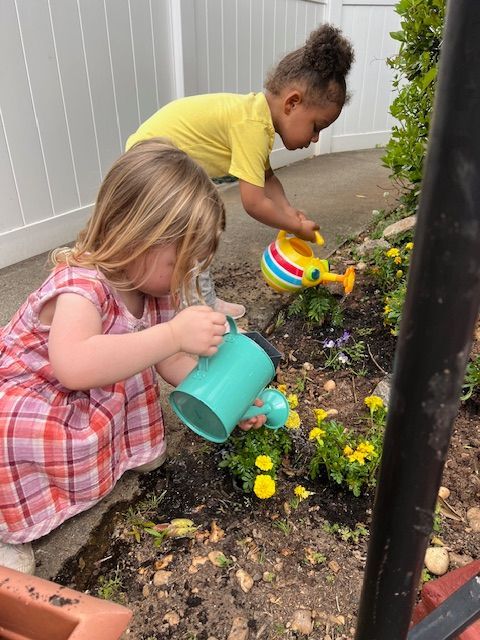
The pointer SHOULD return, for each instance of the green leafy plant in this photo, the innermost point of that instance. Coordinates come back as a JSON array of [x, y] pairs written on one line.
[[472, 379], [284, 526], [110, 588], [345, 533], [176, 528], [318, 305], [345, 353], [415, 68], [244, 451], [349, 458], [390, 267], [392, 311]]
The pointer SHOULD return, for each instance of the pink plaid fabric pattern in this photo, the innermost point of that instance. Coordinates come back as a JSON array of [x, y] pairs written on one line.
[[61, 451]]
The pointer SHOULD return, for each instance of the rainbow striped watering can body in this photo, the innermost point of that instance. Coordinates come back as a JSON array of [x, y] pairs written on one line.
[[289, 265]]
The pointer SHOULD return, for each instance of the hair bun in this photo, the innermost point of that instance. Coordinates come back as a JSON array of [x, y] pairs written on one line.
[[328, 52]]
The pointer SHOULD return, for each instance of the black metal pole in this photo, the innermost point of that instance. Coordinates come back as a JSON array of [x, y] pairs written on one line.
[[442, 303]]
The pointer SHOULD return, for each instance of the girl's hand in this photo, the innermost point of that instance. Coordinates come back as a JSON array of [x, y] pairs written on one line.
[[198, 330], [306, 228], [255, 422]]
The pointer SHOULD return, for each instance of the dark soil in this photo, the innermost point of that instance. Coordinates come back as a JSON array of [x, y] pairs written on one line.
[[295, 559]]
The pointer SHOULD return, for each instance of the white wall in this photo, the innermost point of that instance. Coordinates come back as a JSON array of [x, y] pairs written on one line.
[[78, 76]]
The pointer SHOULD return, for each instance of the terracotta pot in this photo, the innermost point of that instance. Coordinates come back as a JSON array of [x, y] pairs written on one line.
[[32, 608]]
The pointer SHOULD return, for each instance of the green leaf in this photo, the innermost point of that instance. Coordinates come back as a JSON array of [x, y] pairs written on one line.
[[429, 77]]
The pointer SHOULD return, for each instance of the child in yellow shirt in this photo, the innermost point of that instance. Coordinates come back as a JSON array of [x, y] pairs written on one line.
[[234, 134]]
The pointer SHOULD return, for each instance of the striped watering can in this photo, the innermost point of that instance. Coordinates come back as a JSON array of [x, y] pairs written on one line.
[[289, 265]]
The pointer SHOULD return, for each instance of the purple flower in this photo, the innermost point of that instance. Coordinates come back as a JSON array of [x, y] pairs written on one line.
[[342, 358], [343, 338], [328, 344]]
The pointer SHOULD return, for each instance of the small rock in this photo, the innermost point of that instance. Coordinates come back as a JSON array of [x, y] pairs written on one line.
[[436, 560], [444, 493], [161, 578], [334, 566], [399, 227], [361, 266], [308, 366], [473, 517], [239, 630], [245, 580], [382, 390], [145, 591], [332, 412], [163, 562], [302, 621], [329, 385], [369, 245], [171, 618], [217, 558]]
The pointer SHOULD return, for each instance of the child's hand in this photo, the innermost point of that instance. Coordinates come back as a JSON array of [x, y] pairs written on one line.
[[255, 422], [198, 330], [306, 228]]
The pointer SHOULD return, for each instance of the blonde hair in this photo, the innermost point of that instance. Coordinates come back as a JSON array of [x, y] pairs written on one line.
[[319, 67], [154, 195]]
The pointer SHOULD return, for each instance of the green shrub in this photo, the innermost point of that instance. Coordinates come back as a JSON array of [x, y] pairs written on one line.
[[415, 77]]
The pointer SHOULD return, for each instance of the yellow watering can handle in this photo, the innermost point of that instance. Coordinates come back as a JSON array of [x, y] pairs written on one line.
[[318, 237]]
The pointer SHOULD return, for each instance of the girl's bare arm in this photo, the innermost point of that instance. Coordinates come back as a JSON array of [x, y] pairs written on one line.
[[83, 358]]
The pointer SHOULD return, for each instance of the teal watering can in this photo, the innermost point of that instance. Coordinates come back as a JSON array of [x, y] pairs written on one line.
[[221, 390]]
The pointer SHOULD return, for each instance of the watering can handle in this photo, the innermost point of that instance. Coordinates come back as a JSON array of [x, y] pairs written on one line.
[[318, 237], [203, 360], [256, 411]]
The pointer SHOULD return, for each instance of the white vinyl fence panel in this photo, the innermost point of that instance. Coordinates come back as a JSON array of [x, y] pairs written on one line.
[[78, 76]]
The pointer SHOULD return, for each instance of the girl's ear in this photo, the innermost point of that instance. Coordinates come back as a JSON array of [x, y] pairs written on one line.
[[291, 100]]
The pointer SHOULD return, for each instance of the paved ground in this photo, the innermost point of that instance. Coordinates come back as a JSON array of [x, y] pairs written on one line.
[[338, 190]]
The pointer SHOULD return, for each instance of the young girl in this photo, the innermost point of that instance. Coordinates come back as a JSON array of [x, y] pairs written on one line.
[[234, 134], [79, 401]]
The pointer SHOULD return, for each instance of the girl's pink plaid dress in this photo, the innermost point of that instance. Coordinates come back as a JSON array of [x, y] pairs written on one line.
[[61, 451]]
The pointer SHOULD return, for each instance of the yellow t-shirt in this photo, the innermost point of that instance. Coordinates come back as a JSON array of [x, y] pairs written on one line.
[[226, 133]]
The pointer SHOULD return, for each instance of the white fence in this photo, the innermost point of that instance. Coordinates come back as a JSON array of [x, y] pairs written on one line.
[[78, 76]]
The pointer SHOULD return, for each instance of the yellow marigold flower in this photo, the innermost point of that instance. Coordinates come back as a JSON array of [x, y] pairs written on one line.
[[292, 400], [301, 492], [320, 415], [264, 486], [347, 451], [409, 246], [264, 463], [293, 420], [374, 402], [367, 449], [316, 434], [397, 260], [357, 456], [392, 253], [282, 388], [387, 308], [399, 273]]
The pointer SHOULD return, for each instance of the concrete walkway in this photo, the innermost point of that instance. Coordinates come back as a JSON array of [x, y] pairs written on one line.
[[338, 190]]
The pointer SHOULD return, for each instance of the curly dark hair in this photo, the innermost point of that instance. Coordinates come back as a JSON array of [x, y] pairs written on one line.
[[319, 67]]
